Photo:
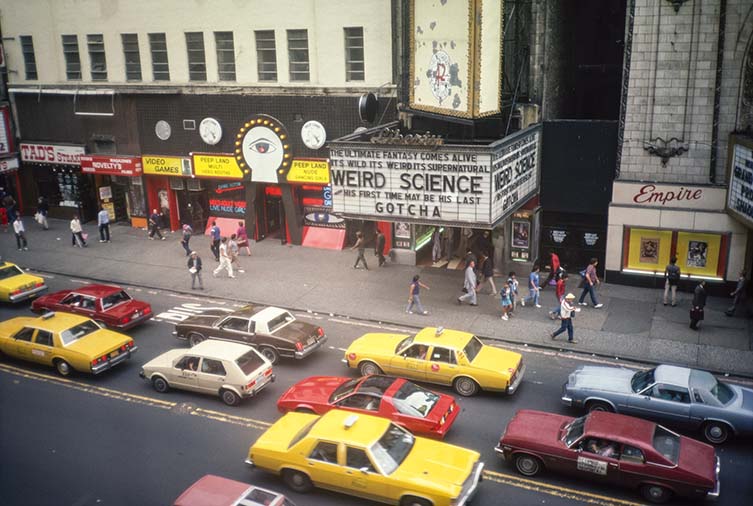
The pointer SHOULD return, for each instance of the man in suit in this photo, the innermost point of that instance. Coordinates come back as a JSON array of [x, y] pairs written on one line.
[[379, 248], [699, 301], [194, 268]]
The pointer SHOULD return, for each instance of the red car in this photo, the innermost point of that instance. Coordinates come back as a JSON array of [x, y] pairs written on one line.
[[106, 304], [213, 490], [614, 450], [421, 411]]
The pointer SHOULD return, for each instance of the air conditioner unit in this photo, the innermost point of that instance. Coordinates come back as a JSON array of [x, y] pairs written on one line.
[[194, 184], [176, 183]]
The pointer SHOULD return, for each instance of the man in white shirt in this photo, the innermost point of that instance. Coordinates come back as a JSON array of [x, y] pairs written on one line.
[[103, 220], [566, 313], [225, 260], [18, 228], [77, 233]]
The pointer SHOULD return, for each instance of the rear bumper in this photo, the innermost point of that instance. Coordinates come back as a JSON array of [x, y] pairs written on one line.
[[249, 462], [513, 387], [114, 361], [28, 294], [310, 349], [714, 494], [137, 321], [259, 386]]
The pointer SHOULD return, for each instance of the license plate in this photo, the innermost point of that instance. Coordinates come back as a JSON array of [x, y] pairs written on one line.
[[114, 353], [137, 314], [311, 340]]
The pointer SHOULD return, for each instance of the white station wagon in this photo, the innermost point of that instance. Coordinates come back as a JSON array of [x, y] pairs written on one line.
[[231, 370]]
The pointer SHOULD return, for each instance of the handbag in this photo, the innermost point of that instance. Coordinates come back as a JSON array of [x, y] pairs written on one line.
[[85, 235], [696, 314]]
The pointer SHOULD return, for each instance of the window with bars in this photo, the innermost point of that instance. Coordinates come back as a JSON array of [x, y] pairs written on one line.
[[97, 59], [298, 54], [354, 63], [197, 64], [266, 55], [160, 65], [72, 58], [225, 55], [132, 56], [30, 61]]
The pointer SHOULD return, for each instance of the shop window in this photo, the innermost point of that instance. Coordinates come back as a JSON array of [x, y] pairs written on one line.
[[266, 55], [197, 65], [97, 58], [30, 60], [354, 54], [135, 200], [160, 65], [225, 55], [298, 54], [132, 56], [72, 58]]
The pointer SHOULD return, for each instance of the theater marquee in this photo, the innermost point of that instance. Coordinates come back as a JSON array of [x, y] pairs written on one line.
[[461, 184]]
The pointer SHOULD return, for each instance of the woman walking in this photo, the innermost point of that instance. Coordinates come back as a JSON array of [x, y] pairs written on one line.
[[506, 301], [235, 253], [414, 298], [242, 236]]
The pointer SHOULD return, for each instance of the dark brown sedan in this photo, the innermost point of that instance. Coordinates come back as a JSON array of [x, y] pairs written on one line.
[[273, 331]]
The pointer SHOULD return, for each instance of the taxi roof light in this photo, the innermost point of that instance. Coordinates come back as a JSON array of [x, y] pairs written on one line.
[[350, 421], [439, 331], [48, 315]]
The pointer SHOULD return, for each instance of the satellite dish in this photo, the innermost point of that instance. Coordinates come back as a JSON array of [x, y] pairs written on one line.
[[368, 107]]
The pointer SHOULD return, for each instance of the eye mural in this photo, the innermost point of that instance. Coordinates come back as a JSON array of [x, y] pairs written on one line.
[[263, 151]]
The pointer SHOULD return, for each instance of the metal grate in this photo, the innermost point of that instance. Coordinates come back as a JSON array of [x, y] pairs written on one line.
[[197, 64], [30, 61], [266, 55], [132, 56], [72, 58], [298, 55], [160, 64], [354, 54], [225, 55], [97, 57]]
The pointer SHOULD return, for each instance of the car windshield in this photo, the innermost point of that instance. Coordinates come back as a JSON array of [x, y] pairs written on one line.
[[249, 362], [10, 271], [402, 345], [722, 392], [641, 380], [412, 400], [392, 448], [77, 332], [302, 433], [667, 443], [343, 390], [259, 496], [473, 348], [114, 299], [279, 321], [574, 430]]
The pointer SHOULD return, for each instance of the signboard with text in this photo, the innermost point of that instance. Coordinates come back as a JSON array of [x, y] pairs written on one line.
[[166, 165], [8, 164], [216, 166], [668, 196], [227, 199], [58, 154], [309, 171], [6, 138], [740, 192], [111, 165]]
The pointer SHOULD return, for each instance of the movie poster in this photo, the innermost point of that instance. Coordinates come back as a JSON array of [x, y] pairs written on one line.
[[649, 253], [697, 254]]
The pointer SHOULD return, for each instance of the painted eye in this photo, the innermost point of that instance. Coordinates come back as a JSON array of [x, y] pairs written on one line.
[[262, 146]]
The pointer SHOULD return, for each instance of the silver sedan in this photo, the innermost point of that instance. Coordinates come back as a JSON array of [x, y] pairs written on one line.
[[671, 395]]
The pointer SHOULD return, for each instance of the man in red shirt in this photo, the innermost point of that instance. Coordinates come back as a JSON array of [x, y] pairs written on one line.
[[560, 293]]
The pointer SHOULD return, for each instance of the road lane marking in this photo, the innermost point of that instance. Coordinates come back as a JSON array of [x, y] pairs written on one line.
[[46, 276]]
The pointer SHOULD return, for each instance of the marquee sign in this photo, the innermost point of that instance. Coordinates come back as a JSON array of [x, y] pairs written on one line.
[[451, 184], [111, 165], [740, 192]]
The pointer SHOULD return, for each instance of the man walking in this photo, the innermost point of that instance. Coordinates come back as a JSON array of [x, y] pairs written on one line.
[[225, 260], [487, 272], [379, 248], [738, 294], [414, 298], [560, 293], [194, 268], [699, 302], [671, 280], [77, 233], [187, 233], [18, 228], [214, 233], [103, 220], [361, 247], [566, 314], [469, 285], [43, 208], [154, 221], [533, 287], [590, 280]]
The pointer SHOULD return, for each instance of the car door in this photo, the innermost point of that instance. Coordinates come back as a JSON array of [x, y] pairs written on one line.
[[22, 345], [633, 466], [442, 366], [211, 376], [411, 363], [323, 467], [43, 347], [663, 403], [598, 460], [363, 479], [88, 307], [184, 374], [360, 403], [70, 303], [232, 328]]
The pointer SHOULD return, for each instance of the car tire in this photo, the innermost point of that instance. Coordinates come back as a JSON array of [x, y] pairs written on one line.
[[269, 353], [229, 397], [465, 386], [63, 368], [160, 384], [305, 410], [409, 500], [297, 481], [716, 432], [599, 406], [656, 494], [527, 465], [195, 338], [367, 368]]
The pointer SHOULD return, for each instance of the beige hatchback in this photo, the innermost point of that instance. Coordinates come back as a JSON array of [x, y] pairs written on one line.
[[231, 370]]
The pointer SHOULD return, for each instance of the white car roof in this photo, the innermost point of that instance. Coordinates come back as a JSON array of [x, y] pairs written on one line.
[[268, 313], [221, 350], [672, 375]]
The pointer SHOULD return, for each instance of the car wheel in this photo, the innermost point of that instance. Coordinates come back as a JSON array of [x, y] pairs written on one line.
[[270, 354], [194, 339], [414, 501], [656, 493], [160, 384], [368, 368], [63, 367], [305, 410], [229, 397], [599, 406], [465, 386], [715, 432], [527, 465], [297, 481]]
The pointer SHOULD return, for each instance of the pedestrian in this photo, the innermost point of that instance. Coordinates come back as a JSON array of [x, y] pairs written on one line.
[[361, 247], [18, 228], [671, 280], [77, 233], [103, 221], [699, 302], [567, 308], [590, 280], [186, 239], [554, 272], [154, 222], [505, 296], [533, 287], [513, 282], [379, 248], [225, 260], [738, 294], [242, 236], [9, 203], [43, 208], [559, 292], [436, 245], [4, 219], [487, 272], [232, 245], [469, 285], [414, 299], [194, 268], [214, 234]]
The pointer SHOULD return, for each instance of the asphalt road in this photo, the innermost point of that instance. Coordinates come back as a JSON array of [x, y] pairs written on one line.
[[112, 440]]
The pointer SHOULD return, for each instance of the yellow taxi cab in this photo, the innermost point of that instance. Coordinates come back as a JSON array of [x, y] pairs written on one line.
[[366, 456], [436, 355], [66, 341], [16, 285]]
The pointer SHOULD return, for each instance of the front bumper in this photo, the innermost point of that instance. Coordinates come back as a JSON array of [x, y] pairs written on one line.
[[311, 348], [28, 294], [470, 488], [114, 361], [566, 399], [500, 452], [714, 494], [513, 387]]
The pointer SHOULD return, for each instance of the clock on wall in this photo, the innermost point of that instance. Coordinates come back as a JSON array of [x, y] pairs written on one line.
[[163, 130], [313, 134], [210, 131]]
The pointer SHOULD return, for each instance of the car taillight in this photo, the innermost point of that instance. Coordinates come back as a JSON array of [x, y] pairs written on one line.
[[320, 331], [16, 292], [124, 347], [268, 372], [103, 358], [125, 319], [94, 362], [442, 420], [250, 385], [130, 344], [299, 346], [351, 356], [511, 370], [147, 310], [38, 284]]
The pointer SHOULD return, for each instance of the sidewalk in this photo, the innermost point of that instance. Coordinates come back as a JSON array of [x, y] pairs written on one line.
[[633, 324]]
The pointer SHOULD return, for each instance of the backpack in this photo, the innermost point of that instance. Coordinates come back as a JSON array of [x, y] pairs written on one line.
[[673, 274]]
